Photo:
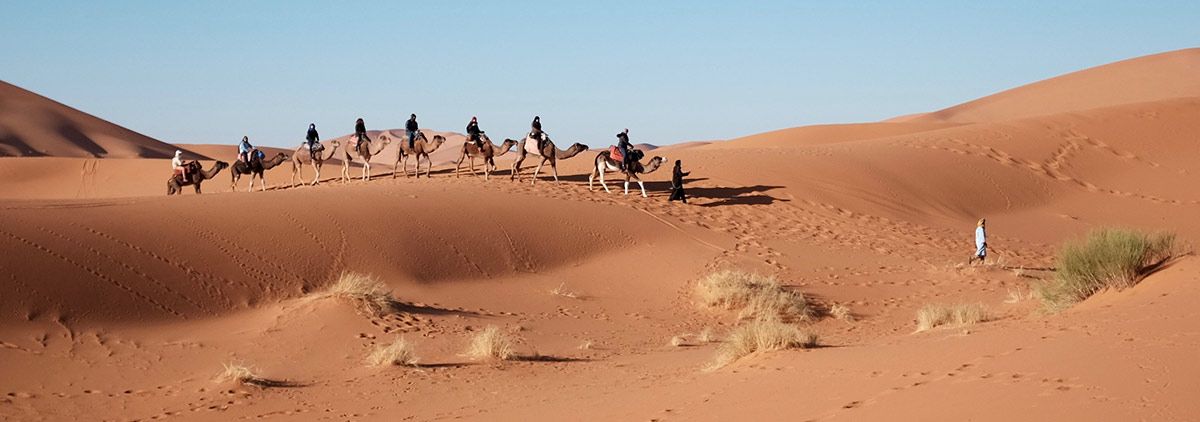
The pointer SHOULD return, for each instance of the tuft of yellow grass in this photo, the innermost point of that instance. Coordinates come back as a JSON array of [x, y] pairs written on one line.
[[936, 315], [491, 344], [371, 294], [706, 335], [1104, 259], [679, 341], [562, 290], [841, 312], [242, 374], [400, 352], [752, 295], [761, 335]]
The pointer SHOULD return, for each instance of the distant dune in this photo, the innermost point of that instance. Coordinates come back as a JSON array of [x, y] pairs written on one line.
[[35, 126], [1156, 77]]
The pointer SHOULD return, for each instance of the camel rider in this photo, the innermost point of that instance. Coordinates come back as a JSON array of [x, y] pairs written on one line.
[[360, 131], [625, 147], [536, 133], [411, 128], [178, 167], [245, 149], [473, 132], [314, 140]]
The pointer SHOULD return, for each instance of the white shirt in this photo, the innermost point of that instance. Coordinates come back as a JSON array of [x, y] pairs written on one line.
[[177, 161], [980, 238]]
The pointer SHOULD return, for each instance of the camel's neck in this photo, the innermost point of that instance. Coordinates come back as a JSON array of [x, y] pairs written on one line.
[[503, 149], [332, 151], [654, 165], [431, 147], [267, 165], [212, 172], [564, 154]]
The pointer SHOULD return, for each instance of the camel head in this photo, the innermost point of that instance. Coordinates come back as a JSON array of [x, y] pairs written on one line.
[[221, 165], [654, 164], [439, 139], [577, 148]]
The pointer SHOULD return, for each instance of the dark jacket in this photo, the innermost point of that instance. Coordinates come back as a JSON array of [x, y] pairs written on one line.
[[677, 176], [537, 124], [312, 135], [360, 128], [411, 125], [623, 142], [473, 129]]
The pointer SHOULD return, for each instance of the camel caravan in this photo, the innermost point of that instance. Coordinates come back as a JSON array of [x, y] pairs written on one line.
[[360, 148]]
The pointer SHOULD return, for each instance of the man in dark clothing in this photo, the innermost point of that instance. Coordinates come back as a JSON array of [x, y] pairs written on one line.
[[411, 129], [537, 128], [313, 140], [360, 130], [677, 176], [473, 132], [625, 147]]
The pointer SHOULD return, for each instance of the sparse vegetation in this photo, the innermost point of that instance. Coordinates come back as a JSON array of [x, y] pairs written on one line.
[[368, 292], [679, 341], [762, 335], [400, 352], [933, 316], [1106, 258], [562, 290], [706, 335], [491, 344], [841, 312], [586, 345], [752, 295], [242, 374]]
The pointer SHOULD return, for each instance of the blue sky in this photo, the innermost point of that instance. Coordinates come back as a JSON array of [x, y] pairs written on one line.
[[211, 71]]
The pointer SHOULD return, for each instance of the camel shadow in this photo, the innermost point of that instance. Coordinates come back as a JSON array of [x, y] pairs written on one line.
[[412, 308], [745, 195]]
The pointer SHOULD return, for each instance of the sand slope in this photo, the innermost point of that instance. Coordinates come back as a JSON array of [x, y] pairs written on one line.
[[1156, 77], [32, 125]]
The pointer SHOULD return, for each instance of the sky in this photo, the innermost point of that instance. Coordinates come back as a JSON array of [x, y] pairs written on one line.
[[212, 71]]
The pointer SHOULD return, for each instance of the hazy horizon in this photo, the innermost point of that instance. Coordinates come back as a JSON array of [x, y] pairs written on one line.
[[670, 72]]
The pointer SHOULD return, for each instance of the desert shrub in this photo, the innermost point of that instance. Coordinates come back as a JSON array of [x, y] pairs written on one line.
[[841, 312], [242, 374], [933, 316], [491, 344], [761, 335], [752, 295], [371, 294], [400, 352], [1105, 258]]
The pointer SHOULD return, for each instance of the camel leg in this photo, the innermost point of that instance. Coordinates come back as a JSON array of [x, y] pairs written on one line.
[[457, 165], [297, 168], [554, 169], [603, 183], [537, 170], [316, 178], [262, 182], [428, 165], [516, 168], [643, 186], [591, 177], [345, 170]]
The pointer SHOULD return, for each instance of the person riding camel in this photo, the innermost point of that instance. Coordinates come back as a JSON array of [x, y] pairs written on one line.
[[625, 147], [360, 131], [245, 150], [411, 129], [473, 132], [178, 167], [313, 140], [537, 133]]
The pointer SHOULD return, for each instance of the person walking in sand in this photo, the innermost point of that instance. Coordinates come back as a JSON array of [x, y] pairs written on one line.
[[980, 242], [410, 129], [677, 176]]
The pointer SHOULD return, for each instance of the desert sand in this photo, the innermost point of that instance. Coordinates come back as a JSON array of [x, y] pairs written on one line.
[[120, 303]]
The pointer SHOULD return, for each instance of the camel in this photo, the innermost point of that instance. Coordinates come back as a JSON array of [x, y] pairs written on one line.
[[176, 183], [487, 153], [239, 168], [302, 156], [364, 153], [605, 163], [547, 152], [421, 147]]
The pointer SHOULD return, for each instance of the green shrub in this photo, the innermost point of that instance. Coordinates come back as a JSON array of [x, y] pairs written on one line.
[[1105, 258]]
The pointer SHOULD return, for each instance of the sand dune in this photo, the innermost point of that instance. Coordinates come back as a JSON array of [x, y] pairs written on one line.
[[122, 303], [35, 126], [1149, 78]]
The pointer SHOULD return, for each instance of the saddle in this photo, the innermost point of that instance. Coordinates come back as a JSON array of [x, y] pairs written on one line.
[[615, 153], [189, 168], [315, 147]]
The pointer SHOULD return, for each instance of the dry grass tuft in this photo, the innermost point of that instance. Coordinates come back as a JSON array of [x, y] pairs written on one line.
[[753, 295], [561, 290], [841, 312], [762, 335], [1106, 258], [706, 335], [491, 344], [587, 345], [932, 316], [242, 374], [371, 294], [400, 352], [679, 341]]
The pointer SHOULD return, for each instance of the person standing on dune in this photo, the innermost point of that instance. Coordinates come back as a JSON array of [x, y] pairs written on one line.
[[360, 131], [410, 129], [473, 132], [980, 242], [677, 176]]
